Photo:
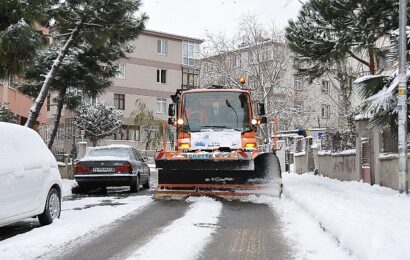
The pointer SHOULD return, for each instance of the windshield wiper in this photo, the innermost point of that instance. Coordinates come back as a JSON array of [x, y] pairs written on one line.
[[222, 127], [216, 126]]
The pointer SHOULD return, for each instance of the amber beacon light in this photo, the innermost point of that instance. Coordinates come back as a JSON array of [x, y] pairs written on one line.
[[242, 80]]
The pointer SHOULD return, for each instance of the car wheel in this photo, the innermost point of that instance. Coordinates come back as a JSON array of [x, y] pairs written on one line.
[[52, 208], [147, 185], [135, 187]]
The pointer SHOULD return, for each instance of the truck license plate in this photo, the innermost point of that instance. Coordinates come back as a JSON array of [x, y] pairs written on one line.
[[200, 156]]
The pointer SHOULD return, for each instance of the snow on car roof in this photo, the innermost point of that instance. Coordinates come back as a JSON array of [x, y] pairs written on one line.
[[22, 147], [112, 146]]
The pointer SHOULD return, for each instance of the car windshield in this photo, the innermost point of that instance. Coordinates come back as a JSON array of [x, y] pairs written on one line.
[[115, 152], [216, 111]]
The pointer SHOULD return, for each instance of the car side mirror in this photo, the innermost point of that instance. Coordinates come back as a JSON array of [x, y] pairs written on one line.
[[145, 159], [171, 109], [260, 107]]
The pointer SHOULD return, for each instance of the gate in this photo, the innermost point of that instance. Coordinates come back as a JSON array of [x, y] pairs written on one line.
[[365, 160]]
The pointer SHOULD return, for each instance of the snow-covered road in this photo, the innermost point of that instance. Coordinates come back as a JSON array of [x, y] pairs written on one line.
[[79, 219], [317, 218]]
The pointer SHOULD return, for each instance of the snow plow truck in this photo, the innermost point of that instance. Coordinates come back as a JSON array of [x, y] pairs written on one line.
[[217, 152]]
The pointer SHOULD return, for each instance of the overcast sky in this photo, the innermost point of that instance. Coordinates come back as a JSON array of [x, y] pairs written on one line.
[[197, 17]]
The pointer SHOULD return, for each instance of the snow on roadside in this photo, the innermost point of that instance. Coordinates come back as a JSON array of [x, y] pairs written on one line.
[[78, 218], [304, 233], [372, 222], [187, 236], [67, 186]]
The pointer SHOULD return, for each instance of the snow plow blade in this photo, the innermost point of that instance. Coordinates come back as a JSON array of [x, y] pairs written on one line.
[[229, 179]]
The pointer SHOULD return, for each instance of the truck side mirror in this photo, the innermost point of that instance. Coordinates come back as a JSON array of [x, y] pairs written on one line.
[[264, 120], [260, 109], [171, 121], [302, 132], [171, 109]]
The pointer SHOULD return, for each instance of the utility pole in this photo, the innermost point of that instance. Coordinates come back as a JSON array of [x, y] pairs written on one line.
[[402, 99]]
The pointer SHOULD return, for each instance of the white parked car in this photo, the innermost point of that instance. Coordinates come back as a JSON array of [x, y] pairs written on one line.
[[30, 183]]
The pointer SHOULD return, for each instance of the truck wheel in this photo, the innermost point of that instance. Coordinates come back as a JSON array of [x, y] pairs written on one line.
[[52, 208]]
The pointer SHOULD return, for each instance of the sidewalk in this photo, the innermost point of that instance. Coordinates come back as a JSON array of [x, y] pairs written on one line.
[[369, 222]]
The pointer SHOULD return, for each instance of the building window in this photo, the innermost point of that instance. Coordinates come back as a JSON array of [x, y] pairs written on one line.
[[238, 61], [161, 105], [299, 106], [266, 54], [90, 99], [120, 73], [325, 86], [252, 81], [161, 76], [325, 111], [119, 101], [297, 83], [162, 47], [190, 53], [190, 77], [252, 57], [10, 82]]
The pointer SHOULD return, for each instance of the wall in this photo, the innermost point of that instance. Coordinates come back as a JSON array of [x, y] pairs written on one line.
[[337, 166], [387, 173], [300, 160]]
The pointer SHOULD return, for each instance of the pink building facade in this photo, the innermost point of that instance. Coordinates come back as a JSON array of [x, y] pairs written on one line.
[[20, 105]]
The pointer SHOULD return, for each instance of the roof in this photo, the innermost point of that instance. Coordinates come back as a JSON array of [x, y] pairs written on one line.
[[172, 36], [198, 90]]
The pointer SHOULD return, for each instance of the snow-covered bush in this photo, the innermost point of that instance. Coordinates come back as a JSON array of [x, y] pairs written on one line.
[[6, 115], [98, 121], [379, 91], [337, 141]]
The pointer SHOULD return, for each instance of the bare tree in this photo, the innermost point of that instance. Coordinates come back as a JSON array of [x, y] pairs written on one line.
[[260, 54]]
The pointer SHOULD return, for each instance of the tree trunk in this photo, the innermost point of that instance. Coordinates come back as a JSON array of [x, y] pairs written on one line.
[[5, 83], [38, 103], [60, 105], [148, 141], [345, 88], [372, 65]]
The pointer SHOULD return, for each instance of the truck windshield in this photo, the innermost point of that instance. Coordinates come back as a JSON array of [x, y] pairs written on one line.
[[216, 111]]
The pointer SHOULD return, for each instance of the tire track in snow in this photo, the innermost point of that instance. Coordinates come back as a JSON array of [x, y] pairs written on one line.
[[120, 238], [187, 236], [288, 195]]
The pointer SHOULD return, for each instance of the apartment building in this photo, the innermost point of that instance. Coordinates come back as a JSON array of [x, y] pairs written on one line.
[[268, 69], [20, 104], [160, 64]]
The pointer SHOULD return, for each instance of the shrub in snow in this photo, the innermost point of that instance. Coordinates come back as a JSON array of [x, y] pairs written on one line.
[[379, 91], [98, 120], [6, 115], [337, 141]]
